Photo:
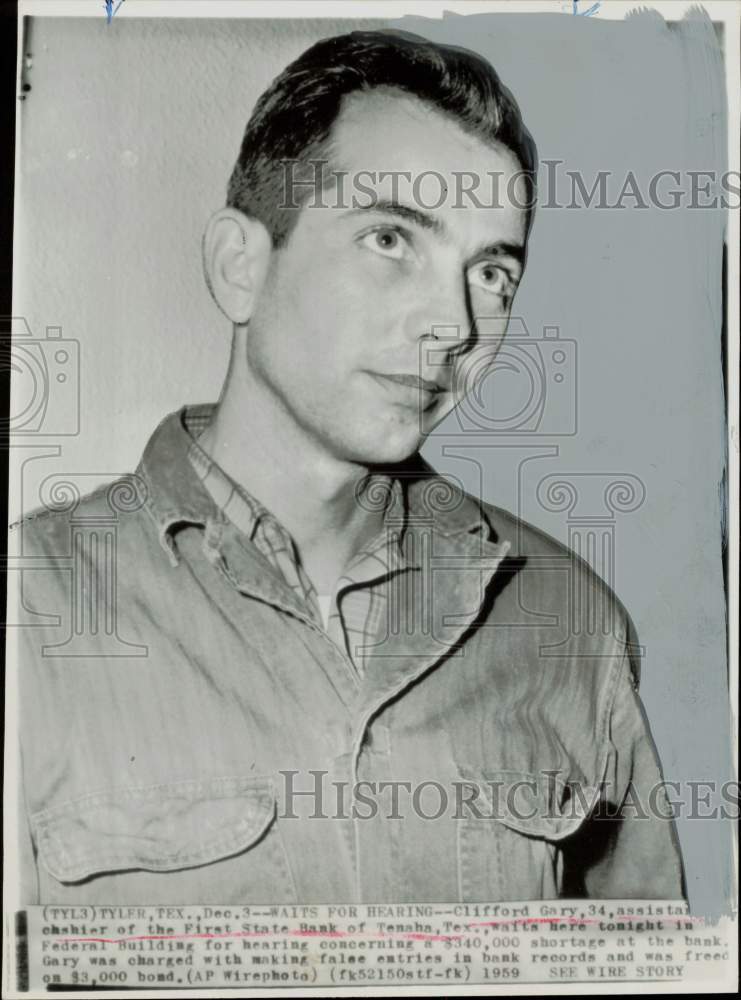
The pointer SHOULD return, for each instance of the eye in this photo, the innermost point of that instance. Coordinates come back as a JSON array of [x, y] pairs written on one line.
[[489, 276], [386, 241]]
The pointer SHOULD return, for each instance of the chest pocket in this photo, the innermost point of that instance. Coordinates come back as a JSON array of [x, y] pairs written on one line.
[[200, 840], [510, 837]]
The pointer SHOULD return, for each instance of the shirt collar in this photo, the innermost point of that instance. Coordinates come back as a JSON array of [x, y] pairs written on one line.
[[176, 496], [243, 509]]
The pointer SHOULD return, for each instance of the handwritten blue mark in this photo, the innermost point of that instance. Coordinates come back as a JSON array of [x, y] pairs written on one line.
[[110, 10], [575, 9]]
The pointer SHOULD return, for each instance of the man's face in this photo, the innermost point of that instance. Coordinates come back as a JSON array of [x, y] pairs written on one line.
[[341, 335]]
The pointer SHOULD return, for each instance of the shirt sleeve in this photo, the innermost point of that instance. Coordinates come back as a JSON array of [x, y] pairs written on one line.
[[628, 847]]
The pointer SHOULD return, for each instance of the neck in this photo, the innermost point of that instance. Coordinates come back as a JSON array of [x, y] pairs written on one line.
[[312, 493]]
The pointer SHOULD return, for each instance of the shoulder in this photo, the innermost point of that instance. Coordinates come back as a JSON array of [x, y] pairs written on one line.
[[528, 541], [555, 579], [541, 551], [80, 565], [47, 530], [525, 538]]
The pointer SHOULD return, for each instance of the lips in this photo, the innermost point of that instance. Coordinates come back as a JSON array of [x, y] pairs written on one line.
[[412, 382]]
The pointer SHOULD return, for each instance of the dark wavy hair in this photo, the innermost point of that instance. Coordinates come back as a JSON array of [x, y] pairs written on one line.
[[292, 120]]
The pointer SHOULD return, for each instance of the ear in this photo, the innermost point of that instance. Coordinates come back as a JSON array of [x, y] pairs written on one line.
[[236, 255]]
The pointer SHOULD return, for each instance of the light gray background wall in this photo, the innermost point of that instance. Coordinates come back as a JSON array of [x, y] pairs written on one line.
[[129, 132]]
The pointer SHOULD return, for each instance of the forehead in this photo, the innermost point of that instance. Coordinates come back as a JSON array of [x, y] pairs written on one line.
[[386, 121], [403, 149]]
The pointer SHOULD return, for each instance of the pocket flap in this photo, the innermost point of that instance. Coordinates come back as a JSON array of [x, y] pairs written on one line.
[[542, 805], [157, 828]]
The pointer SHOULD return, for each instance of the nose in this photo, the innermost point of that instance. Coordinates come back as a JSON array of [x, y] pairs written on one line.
[[440, 316]]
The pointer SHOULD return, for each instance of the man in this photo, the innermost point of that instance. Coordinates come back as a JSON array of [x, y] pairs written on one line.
[[359, 683]]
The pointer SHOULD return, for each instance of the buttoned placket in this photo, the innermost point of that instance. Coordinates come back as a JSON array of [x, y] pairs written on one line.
[[279, 596], [402, 666], [277, 593], [411, 656]]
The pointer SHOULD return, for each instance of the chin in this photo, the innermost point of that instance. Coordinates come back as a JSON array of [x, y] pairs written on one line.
[[390, 450]]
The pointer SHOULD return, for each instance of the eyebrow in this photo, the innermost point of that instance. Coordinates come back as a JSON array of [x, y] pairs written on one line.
[[422, 219], [499, 248], [502, 248]]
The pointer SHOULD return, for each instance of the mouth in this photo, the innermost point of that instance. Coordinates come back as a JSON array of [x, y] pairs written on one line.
[[411, 382]]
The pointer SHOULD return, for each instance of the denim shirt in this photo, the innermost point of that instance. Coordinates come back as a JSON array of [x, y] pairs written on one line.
[[190, 733]]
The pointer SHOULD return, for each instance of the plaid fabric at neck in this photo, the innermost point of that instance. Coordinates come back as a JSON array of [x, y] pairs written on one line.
[[360, 596]]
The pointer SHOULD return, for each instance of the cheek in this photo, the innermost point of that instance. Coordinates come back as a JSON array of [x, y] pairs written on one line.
[[475, 363], [324, 308], [490, 328], [311, 292]]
